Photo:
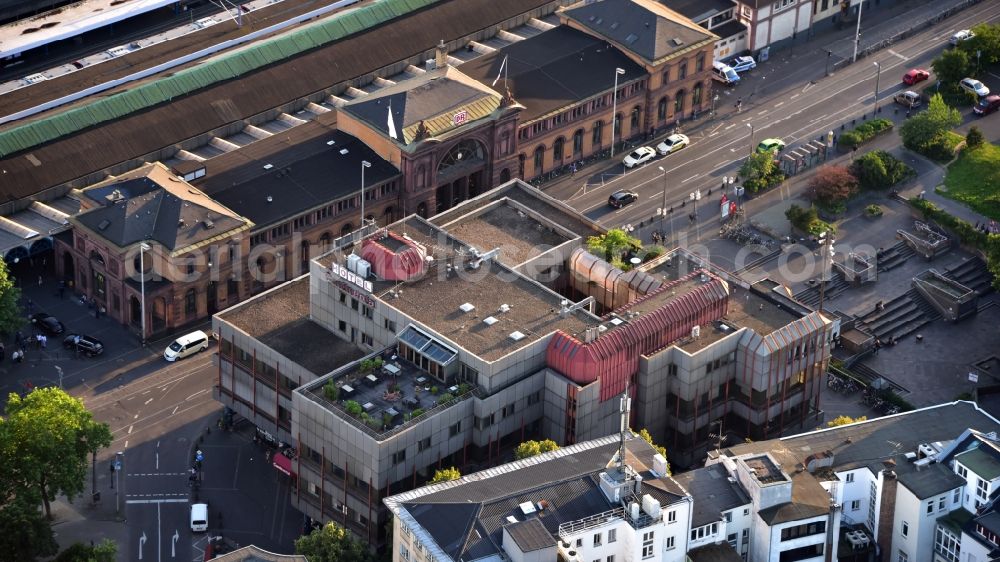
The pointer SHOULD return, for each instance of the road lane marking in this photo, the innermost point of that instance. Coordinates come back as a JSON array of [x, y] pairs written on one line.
[[690, 178], [175, 409], [795, 96], [895, 54], [165, 500], [130, 429], [148, 401], [202, 391], [779, 104]]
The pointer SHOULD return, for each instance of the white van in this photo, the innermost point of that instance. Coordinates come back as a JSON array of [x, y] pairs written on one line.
[[724, 73], [199, 517], [186, 345]]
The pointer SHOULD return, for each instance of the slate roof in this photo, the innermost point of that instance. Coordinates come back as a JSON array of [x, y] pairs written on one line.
[[141, 133], [713, 493], [698, 10], [319, 172], [930, 481], [156, 206], [530, 535], [554, 69], [645, 28], [466, 517], [434, 98]]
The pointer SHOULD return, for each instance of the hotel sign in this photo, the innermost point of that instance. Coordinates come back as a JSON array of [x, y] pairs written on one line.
[[460, 117], [349, 289], [341, 272]]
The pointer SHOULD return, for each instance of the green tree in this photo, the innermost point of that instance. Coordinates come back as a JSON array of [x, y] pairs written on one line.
[[831, 185], [50, 433], [974, 138], [331, 543], [845, 420], [532, 448], [987, 42], [921, 130], [759, 172], [446, 475], [25, 534], [644, 434], [614, 244], [951, 66], [106, 551], [11, 317]]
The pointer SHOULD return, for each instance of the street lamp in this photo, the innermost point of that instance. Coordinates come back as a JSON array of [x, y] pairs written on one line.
[[715, 98], [857, 34], [663, 209], [364, 164], [826, 242], [60, 372], [614, 109], [143, 248], [878, 73], [751, 137], [119, 463], [696, 196], [829, 54]]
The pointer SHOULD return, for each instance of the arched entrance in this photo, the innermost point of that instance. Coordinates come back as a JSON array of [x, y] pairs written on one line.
[[461, 173], [69, 268], [135, 312], [159, 314]]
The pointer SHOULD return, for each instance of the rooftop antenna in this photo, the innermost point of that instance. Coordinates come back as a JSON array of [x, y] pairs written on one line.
[[623, 407]]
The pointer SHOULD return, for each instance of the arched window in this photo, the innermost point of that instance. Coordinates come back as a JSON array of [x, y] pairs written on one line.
[[578, 143], [618, 125], [520, 163], [465, 151], [539, 160], [661, 108], [699, 64], [505, 143], [679, 102], [96, 257], [558, 148], [597, 133], [190, 302], [696, 95], [633, 125], [682, 71], [504, 175], [666, 76], [346, 229], [421, 177], [324, 241], [387, 214]]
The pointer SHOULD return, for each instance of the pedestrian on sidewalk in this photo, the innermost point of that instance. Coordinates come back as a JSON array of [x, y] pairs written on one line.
[[43, 340], [31, 307], [739, 105]]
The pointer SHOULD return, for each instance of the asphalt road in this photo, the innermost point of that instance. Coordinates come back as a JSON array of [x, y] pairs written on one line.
[[790, 99]]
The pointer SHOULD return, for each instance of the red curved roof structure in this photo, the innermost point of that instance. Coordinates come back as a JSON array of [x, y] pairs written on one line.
[[614, 356], [393, 258]]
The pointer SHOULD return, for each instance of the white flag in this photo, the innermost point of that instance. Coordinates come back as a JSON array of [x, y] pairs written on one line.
[[499, 74], [392, 126]]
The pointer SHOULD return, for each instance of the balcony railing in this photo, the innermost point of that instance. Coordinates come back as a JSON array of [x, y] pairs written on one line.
[[574, 527]]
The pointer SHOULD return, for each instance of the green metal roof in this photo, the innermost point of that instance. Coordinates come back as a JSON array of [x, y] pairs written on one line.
[[218, 69], [980, 462]]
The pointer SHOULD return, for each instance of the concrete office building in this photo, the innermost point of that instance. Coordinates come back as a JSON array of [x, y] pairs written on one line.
[[490, 324]]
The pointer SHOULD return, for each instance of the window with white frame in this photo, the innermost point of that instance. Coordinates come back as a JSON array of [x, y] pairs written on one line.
[[946, 544], [849, 478], [855, 505], [941, 502], [672, 516], [905, 529], [930, 506], [956, 496], [961, 471], [670, 543], [982, 489], [647, 545], [901, 556], [597, 539], [611, 558], [404, 552], [612, 535]]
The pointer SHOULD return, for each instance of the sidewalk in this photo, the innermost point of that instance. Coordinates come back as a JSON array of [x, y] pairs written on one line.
[[882, 24], [85, 521]]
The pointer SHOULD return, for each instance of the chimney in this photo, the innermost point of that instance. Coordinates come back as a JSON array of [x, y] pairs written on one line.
[[887, 510], [441, 55]]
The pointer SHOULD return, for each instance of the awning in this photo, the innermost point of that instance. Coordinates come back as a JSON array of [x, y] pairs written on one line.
[[283, 464]]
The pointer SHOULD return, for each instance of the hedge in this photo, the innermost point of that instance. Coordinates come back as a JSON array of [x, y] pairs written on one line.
[[864, 132]]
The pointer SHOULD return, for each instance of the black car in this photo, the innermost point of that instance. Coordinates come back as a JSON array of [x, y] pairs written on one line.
[[84, 344], [48, 324], [621, 198]]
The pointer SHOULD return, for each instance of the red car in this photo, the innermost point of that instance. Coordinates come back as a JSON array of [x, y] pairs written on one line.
[[915, 75], [987, 105]]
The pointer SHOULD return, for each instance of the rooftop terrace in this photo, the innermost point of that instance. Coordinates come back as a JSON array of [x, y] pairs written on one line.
[[765, 470], [391, 396], [279, 319]]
